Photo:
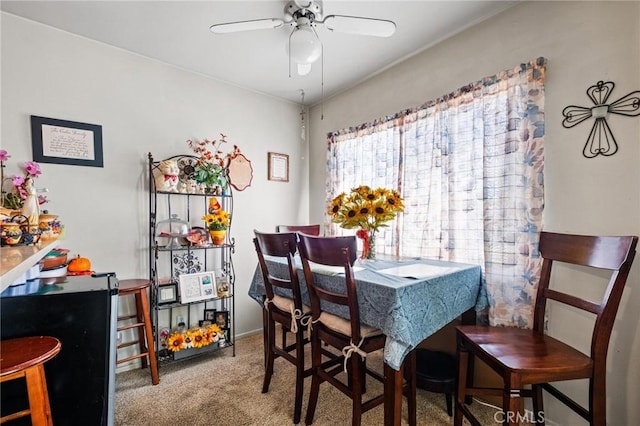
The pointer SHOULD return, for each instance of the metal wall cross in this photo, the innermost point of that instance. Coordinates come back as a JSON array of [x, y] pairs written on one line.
[[601, 140]]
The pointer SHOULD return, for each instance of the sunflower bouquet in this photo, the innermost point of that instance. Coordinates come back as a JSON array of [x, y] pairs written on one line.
[[196, 337], [218, 220], [367, 209]]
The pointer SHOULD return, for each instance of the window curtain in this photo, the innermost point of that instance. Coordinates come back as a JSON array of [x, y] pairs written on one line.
[[469, 166]]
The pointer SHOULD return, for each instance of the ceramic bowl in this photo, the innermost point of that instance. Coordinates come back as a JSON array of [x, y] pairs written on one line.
[[54, 259]]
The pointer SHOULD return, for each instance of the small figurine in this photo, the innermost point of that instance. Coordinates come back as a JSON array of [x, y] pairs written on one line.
[[167, 178], [214, 205], [31, 207]]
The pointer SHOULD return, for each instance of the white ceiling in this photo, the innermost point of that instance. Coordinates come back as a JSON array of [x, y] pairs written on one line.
[[177, 32]]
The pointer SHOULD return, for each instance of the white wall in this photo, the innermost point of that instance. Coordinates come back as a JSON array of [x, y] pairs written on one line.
[[584, 42], [143, 106]]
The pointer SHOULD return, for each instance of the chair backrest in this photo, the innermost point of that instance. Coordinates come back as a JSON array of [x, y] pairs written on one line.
[[281, 245], [609, 253], [331, 251], [304, 229]]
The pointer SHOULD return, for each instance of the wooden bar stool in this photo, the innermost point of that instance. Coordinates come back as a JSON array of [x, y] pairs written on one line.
[[142, 317], [25, 357]]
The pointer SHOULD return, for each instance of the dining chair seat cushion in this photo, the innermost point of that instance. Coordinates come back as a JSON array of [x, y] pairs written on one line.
[[287, 305], [343, 326]]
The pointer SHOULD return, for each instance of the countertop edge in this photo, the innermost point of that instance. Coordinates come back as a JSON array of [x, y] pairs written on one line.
[[11, 275]]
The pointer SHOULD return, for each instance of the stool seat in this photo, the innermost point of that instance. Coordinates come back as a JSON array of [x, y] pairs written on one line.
[[142, 322], [133, 285], [436, 372], [25, 357]]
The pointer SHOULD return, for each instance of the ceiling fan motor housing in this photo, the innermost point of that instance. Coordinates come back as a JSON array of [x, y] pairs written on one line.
[[296, 9]]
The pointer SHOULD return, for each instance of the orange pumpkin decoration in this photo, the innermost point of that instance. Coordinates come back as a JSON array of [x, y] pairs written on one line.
[[79, 264]]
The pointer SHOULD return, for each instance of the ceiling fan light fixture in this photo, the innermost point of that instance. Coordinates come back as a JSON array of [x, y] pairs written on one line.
[[304, 45], [303, 69]]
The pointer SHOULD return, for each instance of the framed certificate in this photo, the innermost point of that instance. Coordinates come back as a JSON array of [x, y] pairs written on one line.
[[278, 167]]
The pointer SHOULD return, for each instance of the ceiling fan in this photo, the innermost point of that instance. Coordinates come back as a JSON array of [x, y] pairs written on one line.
[[304, 16]]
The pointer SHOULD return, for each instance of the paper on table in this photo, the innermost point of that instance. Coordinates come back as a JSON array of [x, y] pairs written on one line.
[[417, 270], [331, 270]]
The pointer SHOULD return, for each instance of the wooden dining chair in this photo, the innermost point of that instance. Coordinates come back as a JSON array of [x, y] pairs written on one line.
[[354, 339], [531, 357], [289, 311], [305, 229]]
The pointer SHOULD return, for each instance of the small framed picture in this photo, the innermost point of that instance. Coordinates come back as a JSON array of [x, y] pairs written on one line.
[[278, 167], [209, 315], [204, 323], [167, 293], [197, 287], [222, 319], [226, 340]]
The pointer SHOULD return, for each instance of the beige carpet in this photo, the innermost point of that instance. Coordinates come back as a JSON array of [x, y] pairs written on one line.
[[219, 390]]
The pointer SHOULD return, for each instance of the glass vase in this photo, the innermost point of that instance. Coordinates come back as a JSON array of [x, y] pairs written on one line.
[[368, 244]]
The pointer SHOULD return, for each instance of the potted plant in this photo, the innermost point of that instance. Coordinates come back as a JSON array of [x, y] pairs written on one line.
[[217, 222], [210, 168]]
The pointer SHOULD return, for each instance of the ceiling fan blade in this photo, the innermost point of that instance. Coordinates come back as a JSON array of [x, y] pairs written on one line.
[[257, 24], [360, 25]]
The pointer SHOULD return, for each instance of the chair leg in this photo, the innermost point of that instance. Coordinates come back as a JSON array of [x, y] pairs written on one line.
[[271, 341], [38, 396], [148, 332], [538, 405], [511, 404], [140, 317], [597, 400], [297, 410], [316, 360], [265, 334], [463, 365], [356, 388]]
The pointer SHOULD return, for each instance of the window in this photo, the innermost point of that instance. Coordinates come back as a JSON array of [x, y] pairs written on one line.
[[469, 166]]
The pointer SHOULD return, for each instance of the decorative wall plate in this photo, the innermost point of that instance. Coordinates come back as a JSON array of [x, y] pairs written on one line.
[[240, 172]]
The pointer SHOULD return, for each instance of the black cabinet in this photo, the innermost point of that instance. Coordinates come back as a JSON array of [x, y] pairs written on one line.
[[81, 313]]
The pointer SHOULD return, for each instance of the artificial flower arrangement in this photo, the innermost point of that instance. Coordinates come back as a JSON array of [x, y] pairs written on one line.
[[14, 199], [211, 165], [367, 209], [217, 219], [196, 337]]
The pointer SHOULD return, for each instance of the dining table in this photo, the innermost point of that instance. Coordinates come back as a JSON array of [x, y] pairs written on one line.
[[408, 299]]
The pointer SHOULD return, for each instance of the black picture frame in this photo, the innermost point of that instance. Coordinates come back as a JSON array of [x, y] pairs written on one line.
[[167, 293], [209, 315], [222, 319], [66, 142]]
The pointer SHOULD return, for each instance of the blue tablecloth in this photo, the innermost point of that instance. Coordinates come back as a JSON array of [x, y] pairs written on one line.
[[407, 310]]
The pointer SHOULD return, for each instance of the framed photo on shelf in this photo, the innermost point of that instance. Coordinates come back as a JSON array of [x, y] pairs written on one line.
[[66, 142], [278, 167], [204, 323], [197, 287], [227, 337], [167, 293], [209, 315], [222, 319]]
